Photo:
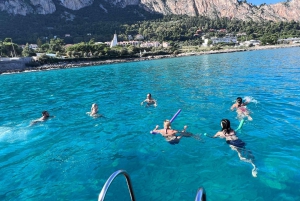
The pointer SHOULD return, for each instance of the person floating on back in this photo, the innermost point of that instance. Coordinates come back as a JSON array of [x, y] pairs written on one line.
[[241, 109], [149, 100], [45, 116], [169, 133], [235, 143]]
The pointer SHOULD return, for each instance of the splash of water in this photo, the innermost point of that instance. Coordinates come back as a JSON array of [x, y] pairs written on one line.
[[250, 99]]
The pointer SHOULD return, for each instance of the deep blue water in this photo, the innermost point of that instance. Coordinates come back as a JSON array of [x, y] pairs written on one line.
[[70, 156]]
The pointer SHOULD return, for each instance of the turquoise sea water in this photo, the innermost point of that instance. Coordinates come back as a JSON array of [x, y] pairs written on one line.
[[70, 156]]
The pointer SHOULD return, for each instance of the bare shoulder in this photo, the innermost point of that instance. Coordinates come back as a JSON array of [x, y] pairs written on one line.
[[219, 134]]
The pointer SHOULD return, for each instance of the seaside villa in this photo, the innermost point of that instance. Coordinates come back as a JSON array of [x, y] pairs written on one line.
[[251, 42], [216, 40], [226, 39]]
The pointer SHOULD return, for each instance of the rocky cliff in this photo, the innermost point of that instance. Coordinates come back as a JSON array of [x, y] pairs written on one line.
[[226, 8], [287, 11]]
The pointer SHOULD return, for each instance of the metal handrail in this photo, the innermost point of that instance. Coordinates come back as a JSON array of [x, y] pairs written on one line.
[[109, 181], [201, 195]]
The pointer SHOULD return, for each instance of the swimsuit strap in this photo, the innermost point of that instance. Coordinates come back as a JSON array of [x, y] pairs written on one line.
[[227, 133]]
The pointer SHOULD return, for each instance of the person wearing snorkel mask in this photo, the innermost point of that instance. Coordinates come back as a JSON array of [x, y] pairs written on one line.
[[241, 109]]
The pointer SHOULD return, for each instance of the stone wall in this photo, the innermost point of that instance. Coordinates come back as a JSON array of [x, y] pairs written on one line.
[[9, 65]]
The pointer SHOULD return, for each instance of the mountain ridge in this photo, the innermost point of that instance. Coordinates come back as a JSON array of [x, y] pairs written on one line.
[[285, 11]]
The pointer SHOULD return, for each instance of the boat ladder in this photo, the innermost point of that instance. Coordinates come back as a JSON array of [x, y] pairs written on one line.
[[200, 196]]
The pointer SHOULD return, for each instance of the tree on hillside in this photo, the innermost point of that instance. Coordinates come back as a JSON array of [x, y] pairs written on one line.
[[92, 41], [27, 51], [45, 47], [56, 45], [1, 47], [39, 42], [10, 49]]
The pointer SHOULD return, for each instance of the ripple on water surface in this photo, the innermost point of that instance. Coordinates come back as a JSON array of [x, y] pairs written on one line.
[[72, 154]]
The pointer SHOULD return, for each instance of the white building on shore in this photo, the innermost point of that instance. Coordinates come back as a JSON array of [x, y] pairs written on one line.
[[226, 39], [114, 41], [31, 46], [150, 44], [215, 40], [126, 43], [250, 42], [289, 40]]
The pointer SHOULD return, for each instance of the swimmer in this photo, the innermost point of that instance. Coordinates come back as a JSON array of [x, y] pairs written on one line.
[[169, 133], [149, 100], [235, 143], [241, 109], [94, 111], [45, 116]]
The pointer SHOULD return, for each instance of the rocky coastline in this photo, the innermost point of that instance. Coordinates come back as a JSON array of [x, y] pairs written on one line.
[[64, 65]]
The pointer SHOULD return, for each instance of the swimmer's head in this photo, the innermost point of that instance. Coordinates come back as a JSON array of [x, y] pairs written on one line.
[[225, 124], [149, 95], [167, 124], [45, 114], [94, 108], [239, 100]]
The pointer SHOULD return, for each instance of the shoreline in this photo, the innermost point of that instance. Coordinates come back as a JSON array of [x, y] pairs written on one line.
[[64, 65]]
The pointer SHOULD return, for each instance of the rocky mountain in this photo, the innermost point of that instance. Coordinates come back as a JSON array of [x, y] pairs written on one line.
[[227, 8], [286, 11]]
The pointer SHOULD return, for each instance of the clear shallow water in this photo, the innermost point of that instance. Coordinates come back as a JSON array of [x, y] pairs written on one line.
[[70, 157]]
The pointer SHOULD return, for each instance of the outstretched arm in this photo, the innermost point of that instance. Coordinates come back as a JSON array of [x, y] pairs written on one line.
[[156, 127], [184, 128], [233, 106], [218, 134], [155, 103]]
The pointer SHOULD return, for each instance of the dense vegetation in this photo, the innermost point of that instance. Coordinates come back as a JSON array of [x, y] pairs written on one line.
[[87, 26], [92, 22], [181, 28]]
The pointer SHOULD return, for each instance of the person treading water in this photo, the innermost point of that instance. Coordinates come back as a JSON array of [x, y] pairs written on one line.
[[150, 101], [241, 109]]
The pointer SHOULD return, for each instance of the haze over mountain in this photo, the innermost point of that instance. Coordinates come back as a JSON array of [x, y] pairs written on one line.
[[286, 11]]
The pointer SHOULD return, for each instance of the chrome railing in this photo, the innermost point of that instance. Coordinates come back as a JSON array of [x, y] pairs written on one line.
[[201, 195], [110, 179]]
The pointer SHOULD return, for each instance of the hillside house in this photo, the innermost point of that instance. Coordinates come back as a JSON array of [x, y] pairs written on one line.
[[150, 44]]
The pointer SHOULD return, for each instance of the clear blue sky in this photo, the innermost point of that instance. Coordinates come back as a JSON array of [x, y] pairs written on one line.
[[258, 2]]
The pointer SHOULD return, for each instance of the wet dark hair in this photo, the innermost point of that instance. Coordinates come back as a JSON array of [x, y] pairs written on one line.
[[226, 126], [239, 100], [44, 112], [149, 94]]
